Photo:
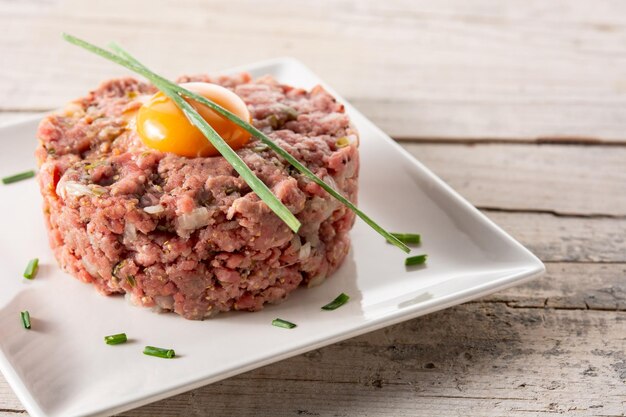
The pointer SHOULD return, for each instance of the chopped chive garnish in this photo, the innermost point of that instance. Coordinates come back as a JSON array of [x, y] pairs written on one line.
[[159, 352], [408, 238], [115, 339], [415, 260], [18, 177], [176, 94], [31, 268], [337, 302], [283, 323], [25, 319]]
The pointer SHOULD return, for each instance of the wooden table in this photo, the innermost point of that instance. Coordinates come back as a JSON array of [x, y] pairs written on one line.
[[519, 105]]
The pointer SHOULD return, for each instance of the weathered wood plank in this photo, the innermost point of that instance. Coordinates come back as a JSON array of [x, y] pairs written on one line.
[[571, 286], [568, 180], [466, 70], [566, 239]]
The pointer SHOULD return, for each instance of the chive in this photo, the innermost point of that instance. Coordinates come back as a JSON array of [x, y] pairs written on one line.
[[159, 352], [25, 319], [337, 302], [283, 323], [416, 260], [31, 268], [176, 92], [18, 177], [408, 238], [115, 339]]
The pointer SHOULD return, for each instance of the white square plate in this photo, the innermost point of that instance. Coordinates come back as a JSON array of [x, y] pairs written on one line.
[[63, 368]]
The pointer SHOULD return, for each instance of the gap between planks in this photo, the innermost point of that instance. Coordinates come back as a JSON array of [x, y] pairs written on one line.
[[552, 212], [511, 141]]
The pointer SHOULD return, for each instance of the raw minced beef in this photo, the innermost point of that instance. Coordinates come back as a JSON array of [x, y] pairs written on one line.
[[187, 234]]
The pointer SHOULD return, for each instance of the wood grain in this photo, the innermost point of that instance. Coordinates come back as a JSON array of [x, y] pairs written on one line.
[[582, 181], [566, 239], [570, 286], [518, 70]]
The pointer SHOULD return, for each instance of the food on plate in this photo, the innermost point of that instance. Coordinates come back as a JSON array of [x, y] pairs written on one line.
[[116, 339], [159, 352], [163, 126], [408, 238], [283, 323], [25, 316], [173, 225], [18, 177], [340, 300], [416, 260], [31, 269]]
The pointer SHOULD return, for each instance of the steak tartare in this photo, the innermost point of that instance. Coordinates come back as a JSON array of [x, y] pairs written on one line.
[[187, 234]]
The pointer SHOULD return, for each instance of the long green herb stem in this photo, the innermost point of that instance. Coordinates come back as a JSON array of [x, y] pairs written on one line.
[[176, 93], [408, 238], [283, 323], [416, 260], [18, 177], [337, 302]]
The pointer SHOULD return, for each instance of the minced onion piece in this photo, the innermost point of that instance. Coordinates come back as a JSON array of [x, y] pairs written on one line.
[[115, 339], [156, 209], [130, 232], [91, 268], [199, 217], [316, 280], [415, 260], [18, 177], [305, 251], [331, 182], [337, 302], [31, 268], [25, 319], [77, 189], [159, 352], [283, 323]]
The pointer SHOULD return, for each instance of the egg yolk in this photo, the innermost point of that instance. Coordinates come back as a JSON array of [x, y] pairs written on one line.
[[163, 126]]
